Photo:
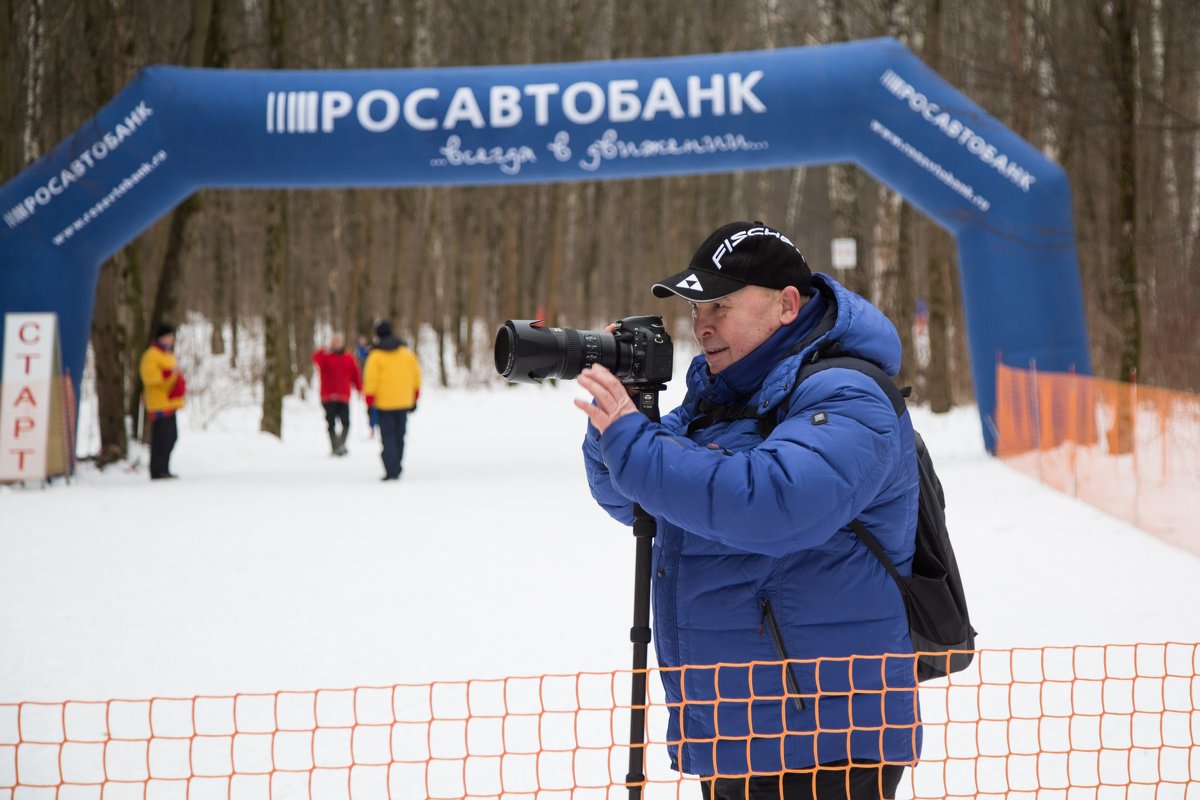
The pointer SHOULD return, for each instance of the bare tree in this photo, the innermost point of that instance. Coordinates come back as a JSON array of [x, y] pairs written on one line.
[[166, 308], [1118, 108], [276, 370], [1115, 21]]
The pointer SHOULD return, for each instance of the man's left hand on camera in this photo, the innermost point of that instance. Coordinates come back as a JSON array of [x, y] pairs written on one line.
[[612, 397]]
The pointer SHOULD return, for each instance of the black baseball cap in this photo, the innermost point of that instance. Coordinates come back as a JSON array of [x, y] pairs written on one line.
[[734, 256]]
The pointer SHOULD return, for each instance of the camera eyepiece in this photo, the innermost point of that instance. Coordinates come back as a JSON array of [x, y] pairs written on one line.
[[638, 352]]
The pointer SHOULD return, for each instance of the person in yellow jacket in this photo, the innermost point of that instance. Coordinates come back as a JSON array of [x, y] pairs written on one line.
[[163, 388], [391, 386]]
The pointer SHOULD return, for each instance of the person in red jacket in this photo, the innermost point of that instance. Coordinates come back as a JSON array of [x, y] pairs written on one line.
[[338, 371]]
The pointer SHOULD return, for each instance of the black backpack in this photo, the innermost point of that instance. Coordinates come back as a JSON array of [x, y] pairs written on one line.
[[938, 622]]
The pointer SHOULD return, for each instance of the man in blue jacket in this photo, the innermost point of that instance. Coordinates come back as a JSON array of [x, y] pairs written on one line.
[[753, 559]]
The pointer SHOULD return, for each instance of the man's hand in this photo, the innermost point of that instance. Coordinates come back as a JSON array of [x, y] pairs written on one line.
[[612, 398]]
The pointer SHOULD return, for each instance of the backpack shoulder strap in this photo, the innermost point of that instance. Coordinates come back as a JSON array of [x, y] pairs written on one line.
[[830, 355], [876, 549], [708, 413]]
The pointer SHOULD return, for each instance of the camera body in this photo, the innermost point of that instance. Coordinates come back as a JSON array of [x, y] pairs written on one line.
[[639, 351], [651, 351]]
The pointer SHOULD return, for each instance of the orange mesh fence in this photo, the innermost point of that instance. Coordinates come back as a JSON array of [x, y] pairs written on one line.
[[1083, 721], [1130, 450]]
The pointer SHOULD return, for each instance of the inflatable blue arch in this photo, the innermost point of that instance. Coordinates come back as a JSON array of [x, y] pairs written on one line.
[[173, 131]]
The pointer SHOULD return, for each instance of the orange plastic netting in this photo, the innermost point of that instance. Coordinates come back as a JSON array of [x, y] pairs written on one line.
[[1083, 721], [1130, 450]]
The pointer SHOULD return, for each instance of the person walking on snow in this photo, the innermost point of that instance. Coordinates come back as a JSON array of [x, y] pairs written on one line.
[[391, 386], [338, 373]]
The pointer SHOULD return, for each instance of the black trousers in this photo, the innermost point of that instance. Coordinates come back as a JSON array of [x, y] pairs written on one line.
[[164, 432], [335, 412], [835, 781], [392, 426]]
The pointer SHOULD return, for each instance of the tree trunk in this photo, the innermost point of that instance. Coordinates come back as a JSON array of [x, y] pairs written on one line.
[[108, 334], [135, 324], [274, 353], [108, 352], [35, 40], [886, 238], [439, 265], [234, 314], [1117, 24], [1020, 100], [939, 383], [512, 264], [904, 310], [166, 308], [10, 160], [845, 210], [199, 40], [221, 277], [211, 15], [275, 363], [1123, 69], [287, 304], [558, 220]]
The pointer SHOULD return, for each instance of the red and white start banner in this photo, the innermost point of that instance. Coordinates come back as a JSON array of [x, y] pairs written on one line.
[[25, 387]]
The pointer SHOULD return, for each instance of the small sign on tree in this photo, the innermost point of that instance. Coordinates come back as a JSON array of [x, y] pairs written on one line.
[[844, 253]]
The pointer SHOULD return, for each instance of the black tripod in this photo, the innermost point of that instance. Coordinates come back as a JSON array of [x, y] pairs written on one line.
[[639, 634]]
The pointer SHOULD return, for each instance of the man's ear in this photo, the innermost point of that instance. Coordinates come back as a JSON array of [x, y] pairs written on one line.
[[790, 302]]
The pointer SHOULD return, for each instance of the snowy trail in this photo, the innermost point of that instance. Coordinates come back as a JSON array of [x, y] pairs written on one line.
[[273, 566]]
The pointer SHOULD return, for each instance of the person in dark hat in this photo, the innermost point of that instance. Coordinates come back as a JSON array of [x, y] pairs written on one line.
[[753, 482], [163, 390], [391, 387]]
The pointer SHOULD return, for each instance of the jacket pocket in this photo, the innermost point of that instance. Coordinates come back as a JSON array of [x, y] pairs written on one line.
[[792, 687]]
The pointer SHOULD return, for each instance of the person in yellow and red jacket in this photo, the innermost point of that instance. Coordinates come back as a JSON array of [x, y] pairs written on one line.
[[391, 386], [163, 388]]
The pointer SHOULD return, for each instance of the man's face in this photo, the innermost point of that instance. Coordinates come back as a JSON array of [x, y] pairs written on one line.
[[336, 342], [730, 328], [167, 339]]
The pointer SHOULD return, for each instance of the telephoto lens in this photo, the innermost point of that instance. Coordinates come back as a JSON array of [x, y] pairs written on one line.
[[639, 352], [529, 352]]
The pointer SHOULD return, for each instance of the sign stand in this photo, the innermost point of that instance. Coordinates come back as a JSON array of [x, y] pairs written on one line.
[[35, 433]]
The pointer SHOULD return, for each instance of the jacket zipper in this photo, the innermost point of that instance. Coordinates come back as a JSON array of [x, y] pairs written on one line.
[[768, 616]]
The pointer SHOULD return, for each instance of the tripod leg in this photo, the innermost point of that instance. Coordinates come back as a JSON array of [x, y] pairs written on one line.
[[639, 635], [643, 532]]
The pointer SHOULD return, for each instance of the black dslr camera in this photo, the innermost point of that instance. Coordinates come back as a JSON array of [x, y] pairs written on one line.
[[639, 351]]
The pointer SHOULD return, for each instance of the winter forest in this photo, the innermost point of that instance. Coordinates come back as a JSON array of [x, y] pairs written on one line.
[[1109, 89]]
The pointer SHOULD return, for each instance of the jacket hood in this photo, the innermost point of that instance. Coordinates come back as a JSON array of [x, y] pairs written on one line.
[[861, 328], [391, 343]]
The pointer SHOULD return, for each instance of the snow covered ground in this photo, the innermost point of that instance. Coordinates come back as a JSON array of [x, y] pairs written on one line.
[[271, 566]]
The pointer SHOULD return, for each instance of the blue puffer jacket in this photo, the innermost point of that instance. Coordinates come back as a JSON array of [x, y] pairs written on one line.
[[753, 559]]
